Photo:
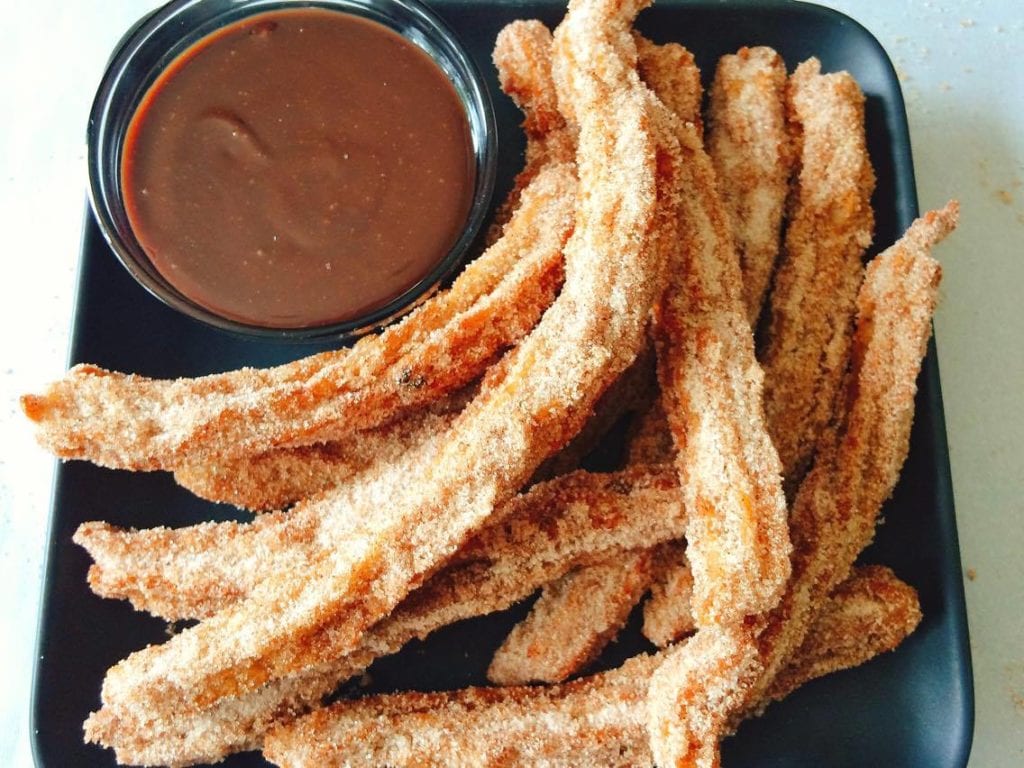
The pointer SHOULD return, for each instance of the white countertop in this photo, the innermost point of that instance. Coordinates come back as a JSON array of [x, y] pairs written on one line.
[[960, 63]]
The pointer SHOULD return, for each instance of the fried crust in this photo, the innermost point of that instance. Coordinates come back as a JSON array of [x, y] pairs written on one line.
[[858, 459], [572, 621], [749, 146], [812, 302]]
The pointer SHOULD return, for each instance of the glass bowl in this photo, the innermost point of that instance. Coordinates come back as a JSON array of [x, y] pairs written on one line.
[[158, 39]]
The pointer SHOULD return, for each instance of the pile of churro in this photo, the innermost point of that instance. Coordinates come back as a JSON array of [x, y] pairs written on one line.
[[692, 262]]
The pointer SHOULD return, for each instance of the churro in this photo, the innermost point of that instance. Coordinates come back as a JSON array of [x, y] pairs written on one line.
[[572, 621], [737, 531], [598, 720], [812, 300], [188, 573], [711, 392], [522, 56], [750, 149], [695, 691], [675, 71], [594, 721], [280, 477], [858, 460], [667, 614], [870, 613]]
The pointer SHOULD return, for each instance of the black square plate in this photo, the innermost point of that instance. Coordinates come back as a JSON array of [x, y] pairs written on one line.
[[913, 707]]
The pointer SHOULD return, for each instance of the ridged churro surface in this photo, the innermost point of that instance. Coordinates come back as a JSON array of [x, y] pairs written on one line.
[[749, 145], [830, 226]]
